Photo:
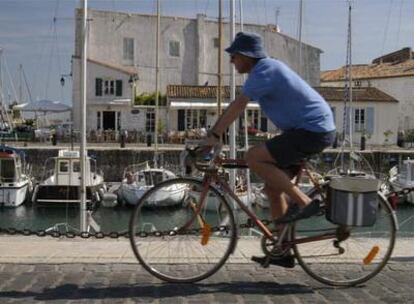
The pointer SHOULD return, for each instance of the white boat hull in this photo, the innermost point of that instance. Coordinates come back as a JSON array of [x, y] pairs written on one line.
[[14, 194], [169, 196]]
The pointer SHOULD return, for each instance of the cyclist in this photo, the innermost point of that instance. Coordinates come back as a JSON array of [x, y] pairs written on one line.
[[292, 105]]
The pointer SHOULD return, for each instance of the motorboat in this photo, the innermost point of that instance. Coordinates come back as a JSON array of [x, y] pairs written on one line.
[[61, 180], [139, 178], [15, 183], [402, 177]]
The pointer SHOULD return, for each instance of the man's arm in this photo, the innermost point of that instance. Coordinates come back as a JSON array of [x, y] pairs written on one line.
[[230, 114]]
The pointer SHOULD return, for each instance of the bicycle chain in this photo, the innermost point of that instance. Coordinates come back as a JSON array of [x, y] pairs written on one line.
[[116, 234]]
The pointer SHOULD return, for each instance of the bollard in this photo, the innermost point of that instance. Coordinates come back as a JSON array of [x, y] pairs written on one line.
[[363, 140], [122, 140], [54, 139], [149, 140]]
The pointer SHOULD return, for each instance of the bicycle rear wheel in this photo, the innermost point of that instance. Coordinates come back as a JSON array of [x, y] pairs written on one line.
[[172, 240], [354, 256]]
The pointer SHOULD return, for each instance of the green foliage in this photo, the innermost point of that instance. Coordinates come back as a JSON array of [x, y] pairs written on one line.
[[161, 126], [410, 136], [146, 99], [29, 122]]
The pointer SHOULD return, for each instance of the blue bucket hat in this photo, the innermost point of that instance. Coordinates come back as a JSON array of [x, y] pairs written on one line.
[[247, 44]]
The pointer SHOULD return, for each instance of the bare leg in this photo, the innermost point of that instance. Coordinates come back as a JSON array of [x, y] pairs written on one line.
[[278, 204], [262, 163]]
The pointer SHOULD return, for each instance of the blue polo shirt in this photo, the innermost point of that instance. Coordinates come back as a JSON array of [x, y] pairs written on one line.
[[286, 99]]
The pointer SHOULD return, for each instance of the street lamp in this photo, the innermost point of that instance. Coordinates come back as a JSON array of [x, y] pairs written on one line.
[[132, 79], [62, 79]]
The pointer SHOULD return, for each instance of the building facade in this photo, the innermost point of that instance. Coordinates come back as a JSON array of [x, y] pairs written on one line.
[[374, 113], [121, 54], [391, 73]]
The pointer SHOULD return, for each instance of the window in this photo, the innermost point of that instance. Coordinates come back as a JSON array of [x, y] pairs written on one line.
[[253, 119], [76, 166], [150, 121], [64, 166], [195, 119], [108, 87], [129, 49], [359, 120], [98, 87], [175, 48], [7, 170]]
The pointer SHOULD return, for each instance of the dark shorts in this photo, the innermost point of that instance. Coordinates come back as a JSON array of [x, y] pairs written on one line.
[[292, 146]]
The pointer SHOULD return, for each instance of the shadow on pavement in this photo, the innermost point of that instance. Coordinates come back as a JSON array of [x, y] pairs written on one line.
[[157, 291]]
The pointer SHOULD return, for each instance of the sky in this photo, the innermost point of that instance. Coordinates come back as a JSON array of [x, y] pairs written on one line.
[[39, 34]]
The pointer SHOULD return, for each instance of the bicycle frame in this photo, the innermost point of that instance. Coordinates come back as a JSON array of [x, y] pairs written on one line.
[[212, 177]]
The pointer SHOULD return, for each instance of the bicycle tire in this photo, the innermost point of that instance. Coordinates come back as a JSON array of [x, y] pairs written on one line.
[[355, 260], [178, 255]]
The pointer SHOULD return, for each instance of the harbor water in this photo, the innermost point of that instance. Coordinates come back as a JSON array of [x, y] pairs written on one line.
[[66, 218]]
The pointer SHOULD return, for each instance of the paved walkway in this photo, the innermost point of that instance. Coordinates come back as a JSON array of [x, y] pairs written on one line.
[[48, 270]]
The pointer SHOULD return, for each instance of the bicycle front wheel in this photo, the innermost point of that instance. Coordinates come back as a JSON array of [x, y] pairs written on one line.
[[176, 237], [353, 256]]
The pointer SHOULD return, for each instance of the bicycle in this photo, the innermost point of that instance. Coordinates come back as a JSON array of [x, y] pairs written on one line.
[[191, 241]]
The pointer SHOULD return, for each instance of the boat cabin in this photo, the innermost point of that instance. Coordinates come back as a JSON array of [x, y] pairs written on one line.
[[66, 169], [10, 167], [153, 176]]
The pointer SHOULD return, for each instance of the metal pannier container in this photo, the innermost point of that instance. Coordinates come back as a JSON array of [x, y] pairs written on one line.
[[353, 200]]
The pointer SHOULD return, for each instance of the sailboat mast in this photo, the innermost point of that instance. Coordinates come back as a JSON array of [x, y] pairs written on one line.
[[349, 59], [246, 133], [219, 61], [348, 115], [157, 77], [232, 95], [83, 211]]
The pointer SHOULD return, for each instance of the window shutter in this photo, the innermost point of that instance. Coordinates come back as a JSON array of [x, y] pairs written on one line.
[[263, 124], [98, 87], [119, 88], [181, 120], [370, 120]]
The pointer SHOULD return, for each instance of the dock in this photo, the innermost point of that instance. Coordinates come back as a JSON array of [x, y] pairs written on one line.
[[47, 270]]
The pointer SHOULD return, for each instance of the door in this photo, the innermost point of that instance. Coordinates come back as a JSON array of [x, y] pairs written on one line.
[[108, 120]]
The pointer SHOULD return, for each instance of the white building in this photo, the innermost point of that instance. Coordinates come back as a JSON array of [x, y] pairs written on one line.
[[392, 73], [192, 107], [374, 114], [121, 55]]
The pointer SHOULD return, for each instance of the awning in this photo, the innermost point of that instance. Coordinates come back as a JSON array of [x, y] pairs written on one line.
[[205, 105]]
